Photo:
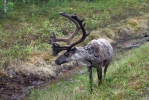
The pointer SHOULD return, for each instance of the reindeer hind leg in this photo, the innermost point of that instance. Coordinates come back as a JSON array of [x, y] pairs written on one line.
[[90, 77], [99, 74], [106, 64]]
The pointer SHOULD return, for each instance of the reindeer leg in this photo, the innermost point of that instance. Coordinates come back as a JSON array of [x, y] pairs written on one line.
[[90, 77], [106, 64], [99, 74], [105, 70]]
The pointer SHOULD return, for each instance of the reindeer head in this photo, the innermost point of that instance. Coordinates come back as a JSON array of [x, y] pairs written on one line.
[[71, 50]]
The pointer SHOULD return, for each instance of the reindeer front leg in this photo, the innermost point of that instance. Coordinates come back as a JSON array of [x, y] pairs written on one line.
[[90, 77], [99, 74]]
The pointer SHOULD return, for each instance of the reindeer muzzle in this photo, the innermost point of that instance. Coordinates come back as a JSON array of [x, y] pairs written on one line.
[[57, 62]]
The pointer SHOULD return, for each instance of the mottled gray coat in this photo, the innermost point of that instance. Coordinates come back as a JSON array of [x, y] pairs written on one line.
[[97, 53], [93, 54]]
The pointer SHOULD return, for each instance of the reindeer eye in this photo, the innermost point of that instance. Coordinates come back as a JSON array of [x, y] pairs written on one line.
[[73, 50], [66, 54]]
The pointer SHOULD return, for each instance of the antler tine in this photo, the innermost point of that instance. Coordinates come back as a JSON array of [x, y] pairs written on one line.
[[79, 26], [74, 21], [84, 34], [54, 39], [56, 47], [69, 17]]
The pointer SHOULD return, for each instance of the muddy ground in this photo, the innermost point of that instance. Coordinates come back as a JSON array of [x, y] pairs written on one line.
[[15, 84], [16, 87]]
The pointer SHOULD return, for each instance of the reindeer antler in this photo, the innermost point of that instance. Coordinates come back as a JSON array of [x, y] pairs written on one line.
[[56, 47], [53, 37]]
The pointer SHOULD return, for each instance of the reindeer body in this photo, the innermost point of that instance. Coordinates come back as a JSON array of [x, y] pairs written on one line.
[[97, 53]]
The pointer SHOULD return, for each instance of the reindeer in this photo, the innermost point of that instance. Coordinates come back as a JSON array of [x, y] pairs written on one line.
[[97, 53]]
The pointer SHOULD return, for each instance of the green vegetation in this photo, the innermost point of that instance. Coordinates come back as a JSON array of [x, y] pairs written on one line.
[[28, 23], [127, 79]]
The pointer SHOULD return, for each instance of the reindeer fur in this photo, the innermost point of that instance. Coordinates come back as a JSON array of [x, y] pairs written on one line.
[[97, 53]]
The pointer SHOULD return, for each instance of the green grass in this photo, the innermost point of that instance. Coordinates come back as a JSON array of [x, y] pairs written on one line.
[[127, 79], [35, 21]]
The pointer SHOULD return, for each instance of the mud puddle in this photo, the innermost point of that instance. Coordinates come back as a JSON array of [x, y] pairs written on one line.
[[130, 43]]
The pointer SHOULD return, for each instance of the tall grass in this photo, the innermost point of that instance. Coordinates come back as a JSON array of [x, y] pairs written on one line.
[[127, 79]]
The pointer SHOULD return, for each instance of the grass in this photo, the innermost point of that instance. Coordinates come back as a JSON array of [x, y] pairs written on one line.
[[127, 79], [28, 25]]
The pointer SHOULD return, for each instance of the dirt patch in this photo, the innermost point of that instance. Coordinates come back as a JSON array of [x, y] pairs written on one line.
[[15, 82], [17, 87]]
